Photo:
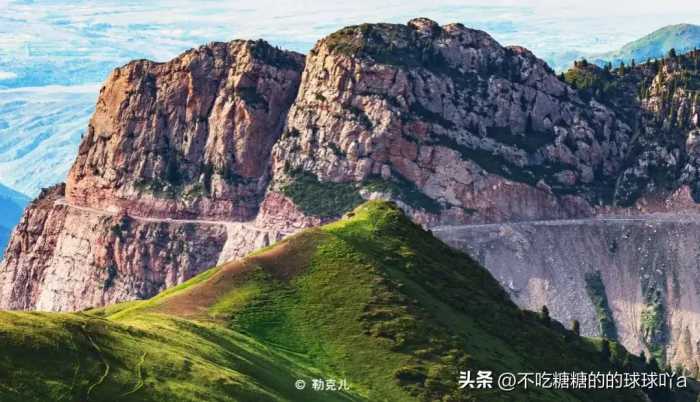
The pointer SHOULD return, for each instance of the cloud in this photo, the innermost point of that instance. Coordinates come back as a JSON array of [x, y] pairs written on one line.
[[6, 75]]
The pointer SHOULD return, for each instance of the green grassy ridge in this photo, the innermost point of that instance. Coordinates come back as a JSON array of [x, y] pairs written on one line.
[[372, 298]]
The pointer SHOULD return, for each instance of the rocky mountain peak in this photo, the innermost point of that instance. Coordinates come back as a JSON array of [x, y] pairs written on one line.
[[448, 113], [425, 26], [420, 43], [189, 137], [175, 156]]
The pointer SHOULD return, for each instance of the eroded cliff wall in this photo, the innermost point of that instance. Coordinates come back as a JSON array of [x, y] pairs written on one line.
[[632, 279], [166, 183]]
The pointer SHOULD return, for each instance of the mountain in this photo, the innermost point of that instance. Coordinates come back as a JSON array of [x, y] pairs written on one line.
[[682, 37], [231, 147], [626, 275], [372, 299], [12, 206], [187, 139]]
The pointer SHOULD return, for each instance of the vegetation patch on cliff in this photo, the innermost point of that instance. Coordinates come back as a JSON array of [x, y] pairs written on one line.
[[596, 292], [318, 198], [276, 57], [653, 327], [392, 44], [401, 189]]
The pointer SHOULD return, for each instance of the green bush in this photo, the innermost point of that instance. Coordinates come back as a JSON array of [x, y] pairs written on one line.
[[596, 292], [404, 190], [318, 198]]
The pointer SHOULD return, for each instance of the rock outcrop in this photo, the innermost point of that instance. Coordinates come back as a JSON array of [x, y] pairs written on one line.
[[449, 112], [66, 258], [659, 99], [187, 138], [168, 177], [78, 259]]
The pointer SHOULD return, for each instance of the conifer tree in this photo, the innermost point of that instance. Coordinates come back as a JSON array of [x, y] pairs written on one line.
[[576, 327], [605, 351], [653, 365], [544, 315]]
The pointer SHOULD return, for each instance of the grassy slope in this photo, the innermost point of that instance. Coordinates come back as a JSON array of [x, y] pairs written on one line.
[[372, 298]]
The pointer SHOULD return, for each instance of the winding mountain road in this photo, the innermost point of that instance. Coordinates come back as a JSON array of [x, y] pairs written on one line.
[[63, 202], [649, 218]]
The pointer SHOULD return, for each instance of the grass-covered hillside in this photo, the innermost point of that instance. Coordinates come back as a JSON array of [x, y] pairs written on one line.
[[373, 299]]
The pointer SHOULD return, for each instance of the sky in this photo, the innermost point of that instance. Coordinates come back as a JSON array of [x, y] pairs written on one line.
[[55, 53], [75, 42]]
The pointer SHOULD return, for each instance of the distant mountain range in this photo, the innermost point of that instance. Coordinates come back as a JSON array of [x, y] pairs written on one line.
[[681, 37], [12, 204]]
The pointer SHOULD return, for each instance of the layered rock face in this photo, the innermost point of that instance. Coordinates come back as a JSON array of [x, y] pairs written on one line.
[[450, 112], [631, 279], [187, 138], [78, 258], [660, 100]]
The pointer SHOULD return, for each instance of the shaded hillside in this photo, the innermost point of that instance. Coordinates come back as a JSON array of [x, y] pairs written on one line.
[[372, 298]]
